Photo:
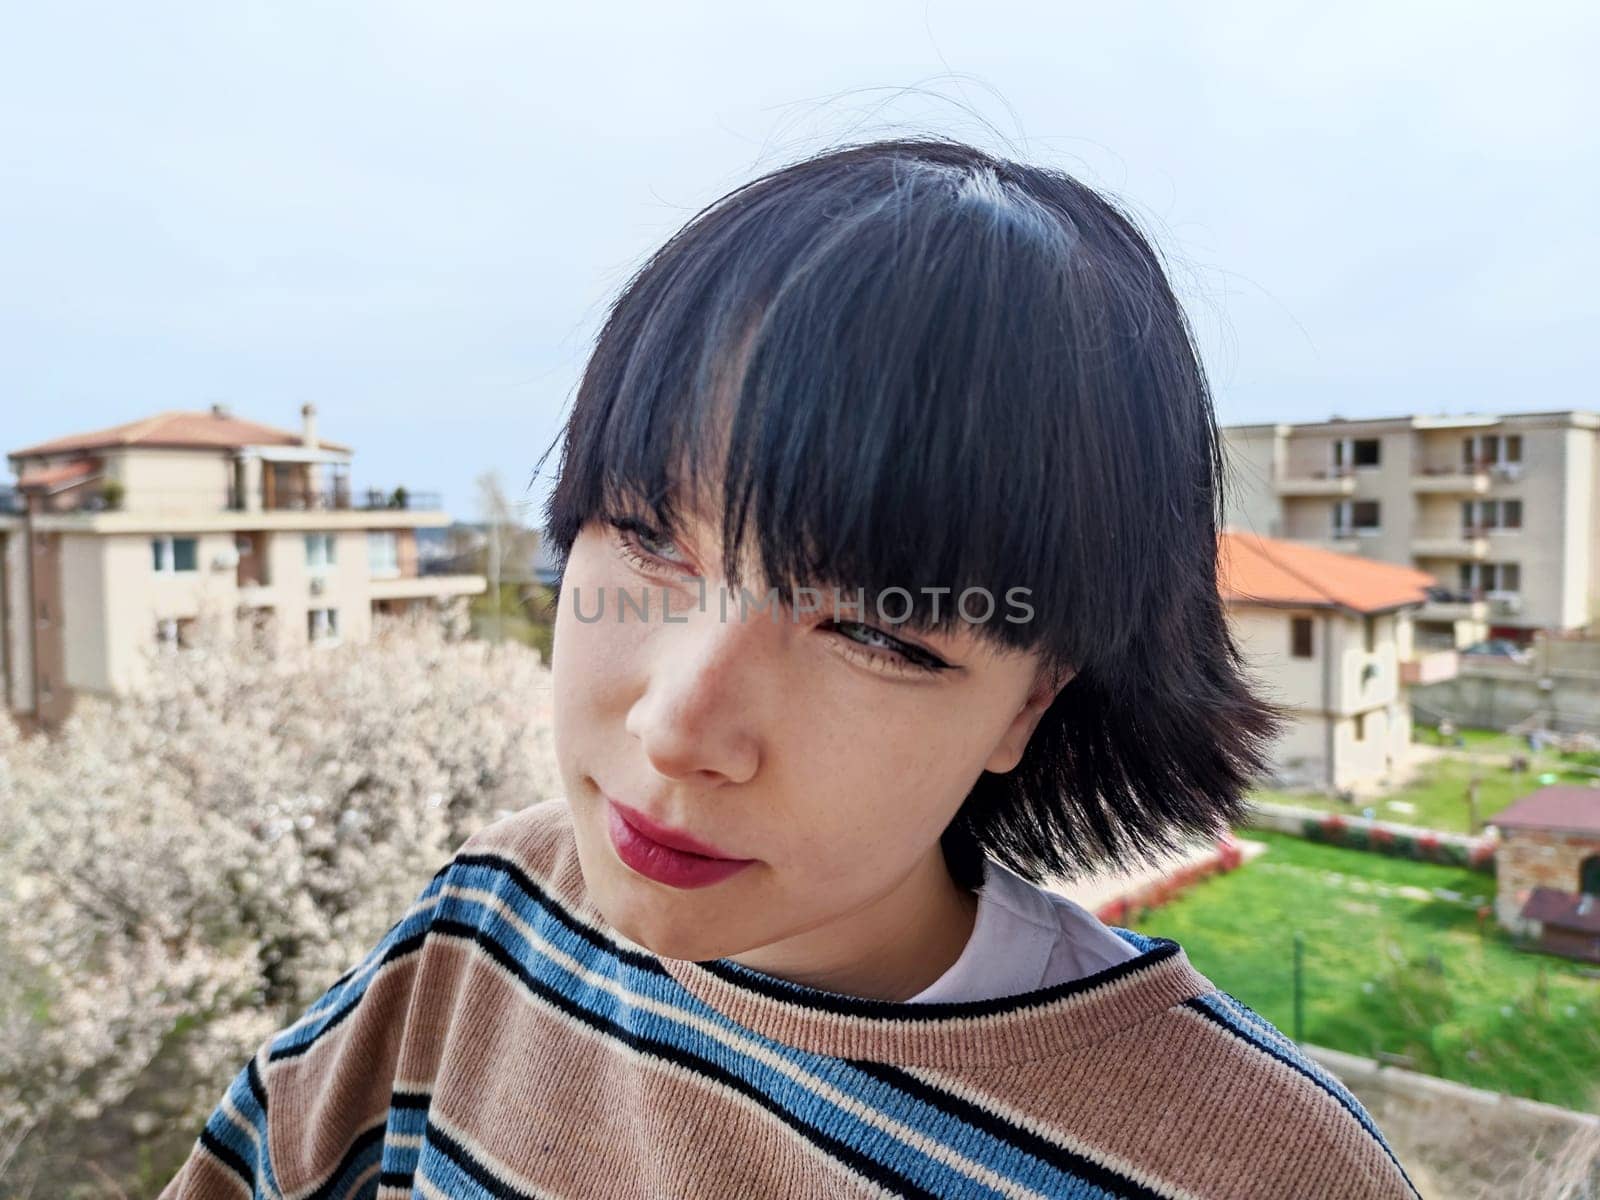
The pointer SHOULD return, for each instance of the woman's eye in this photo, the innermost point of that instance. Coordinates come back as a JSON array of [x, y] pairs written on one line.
[[873, 645], [643, 546]]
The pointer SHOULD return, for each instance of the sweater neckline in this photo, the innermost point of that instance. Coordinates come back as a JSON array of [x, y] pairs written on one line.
[[1040, 1024]]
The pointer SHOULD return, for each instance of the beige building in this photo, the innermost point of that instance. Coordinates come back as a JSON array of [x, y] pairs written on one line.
[[1330, 636], [1504, 511], [113, 544]]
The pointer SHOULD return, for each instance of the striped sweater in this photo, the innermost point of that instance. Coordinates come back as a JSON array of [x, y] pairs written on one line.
[[502, 1041]]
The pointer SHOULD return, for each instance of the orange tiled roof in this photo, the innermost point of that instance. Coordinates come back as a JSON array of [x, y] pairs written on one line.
[[1272, 571], [180, 430], [70, 472]]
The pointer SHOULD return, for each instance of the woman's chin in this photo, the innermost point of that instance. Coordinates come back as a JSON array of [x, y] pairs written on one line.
[[640, 919]]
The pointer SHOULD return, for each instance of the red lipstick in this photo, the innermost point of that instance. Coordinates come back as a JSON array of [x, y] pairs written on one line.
[[658, 853]]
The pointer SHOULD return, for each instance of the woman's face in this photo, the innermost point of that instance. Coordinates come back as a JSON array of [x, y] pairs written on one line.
[[826, 753]]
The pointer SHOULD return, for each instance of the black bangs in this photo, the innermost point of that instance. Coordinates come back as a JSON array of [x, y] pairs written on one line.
[[962, 385]]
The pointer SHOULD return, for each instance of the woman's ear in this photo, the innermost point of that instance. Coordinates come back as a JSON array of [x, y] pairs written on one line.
[[1008, 750]]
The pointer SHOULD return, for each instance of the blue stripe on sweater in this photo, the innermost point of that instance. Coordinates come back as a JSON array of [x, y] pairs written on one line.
[[1250, 1026], [235, 1138], [404, 936], [800, 1100]]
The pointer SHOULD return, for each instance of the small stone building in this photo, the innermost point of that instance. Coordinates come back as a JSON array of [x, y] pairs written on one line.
[[1548, 866]]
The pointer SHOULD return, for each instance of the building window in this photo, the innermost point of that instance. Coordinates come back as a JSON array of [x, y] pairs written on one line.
[[1355, 516], [1361, 727], [1300, 637], [383, 553], [1504, 578], [1491, 450], [168, 554], [1357, 452], [1369, 634], [175, 633], [319, 551], [1490, 514], [322, 624]]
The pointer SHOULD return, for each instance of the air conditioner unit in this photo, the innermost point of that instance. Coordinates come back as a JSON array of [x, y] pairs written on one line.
[[1510, 471], [225, 559], [318, 585], [1508, 605]]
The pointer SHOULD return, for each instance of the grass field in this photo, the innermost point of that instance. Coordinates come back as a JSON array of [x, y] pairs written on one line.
[[1396, 960], [1437, 796]]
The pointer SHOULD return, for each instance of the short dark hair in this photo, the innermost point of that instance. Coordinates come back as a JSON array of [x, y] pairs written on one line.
[[912, 364]]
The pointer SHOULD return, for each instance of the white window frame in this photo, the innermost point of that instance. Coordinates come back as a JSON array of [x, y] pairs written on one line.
[[329, 557], [1344, 517], [384, 564], [1342, 455], [168, 564], [1502, 446], [1490, 515], [323, 632], [1482, 574]]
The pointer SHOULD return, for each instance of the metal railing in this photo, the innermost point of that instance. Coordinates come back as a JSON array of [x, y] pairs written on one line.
[[341, 500], [212, 500]]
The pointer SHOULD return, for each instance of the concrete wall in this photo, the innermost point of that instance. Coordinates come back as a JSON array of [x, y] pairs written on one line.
[[1251, 465], [1291, 819], [1498, 695], [16, 603], [346, 585], [1577, 546], [172, 480], [85, 601], [45, 620]]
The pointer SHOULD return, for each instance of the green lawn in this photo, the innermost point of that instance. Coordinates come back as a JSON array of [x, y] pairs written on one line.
[[1437, 794], [1390, 966]]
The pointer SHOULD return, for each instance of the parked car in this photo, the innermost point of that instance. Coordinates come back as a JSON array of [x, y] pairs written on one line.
[[1503, 648]]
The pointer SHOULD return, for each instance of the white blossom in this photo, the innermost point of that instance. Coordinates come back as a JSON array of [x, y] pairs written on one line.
[[182, 871]]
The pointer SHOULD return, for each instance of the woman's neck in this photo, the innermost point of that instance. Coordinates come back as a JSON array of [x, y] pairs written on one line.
[[890, 949]]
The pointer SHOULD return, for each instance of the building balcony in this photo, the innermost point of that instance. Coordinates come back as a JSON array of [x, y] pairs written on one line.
[[1463, 544], [206, 501], [257, 595], [1336, 481], [1346, 541], [337, 499], [1452, 481], [1508, 605], [1431, 666], [1446, 604], [418, 587]]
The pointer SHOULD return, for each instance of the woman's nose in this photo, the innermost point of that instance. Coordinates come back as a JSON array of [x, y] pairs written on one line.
[[697, 717]]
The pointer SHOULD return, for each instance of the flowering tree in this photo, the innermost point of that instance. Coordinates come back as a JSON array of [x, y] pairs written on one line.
[[182, 871]]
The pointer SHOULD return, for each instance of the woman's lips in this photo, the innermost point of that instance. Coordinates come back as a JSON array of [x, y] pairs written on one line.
[[634, 838]]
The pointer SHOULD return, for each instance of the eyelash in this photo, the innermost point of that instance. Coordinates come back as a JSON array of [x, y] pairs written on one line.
[[899, 658]]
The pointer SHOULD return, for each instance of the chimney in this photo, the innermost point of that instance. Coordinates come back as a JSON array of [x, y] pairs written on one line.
[[220, 411], [309, 437]]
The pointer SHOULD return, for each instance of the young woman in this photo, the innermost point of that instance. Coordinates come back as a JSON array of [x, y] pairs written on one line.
[[888, 515]]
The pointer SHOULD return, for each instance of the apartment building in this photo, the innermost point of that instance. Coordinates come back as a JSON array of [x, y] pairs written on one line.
[[1503, 511], [1332, 638], [115, 543]]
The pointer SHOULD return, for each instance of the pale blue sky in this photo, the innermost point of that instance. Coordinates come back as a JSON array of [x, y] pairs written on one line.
[[413, 214]]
